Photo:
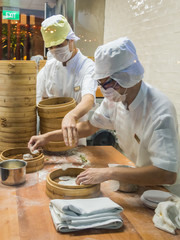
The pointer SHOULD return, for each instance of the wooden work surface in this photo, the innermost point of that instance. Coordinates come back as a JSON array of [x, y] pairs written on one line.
[[25, 215]]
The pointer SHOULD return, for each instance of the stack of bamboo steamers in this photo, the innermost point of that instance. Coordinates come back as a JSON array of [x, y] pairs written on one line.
[[17, 103], [41, 64], [51, 112]]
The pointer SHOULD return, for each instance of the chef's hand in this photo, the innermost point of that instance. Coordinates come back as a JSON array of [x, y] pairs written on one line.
[[36, 142], [69, 130], [92, 176]]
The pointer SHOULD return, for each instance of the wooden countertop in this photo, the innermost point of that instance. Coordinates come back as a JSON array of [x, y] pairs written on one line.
[[25, 214]]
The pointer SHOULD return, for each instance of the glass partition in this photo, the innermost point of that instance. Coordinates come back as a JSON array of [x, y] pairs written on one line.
[[21, 37], [20, 23]]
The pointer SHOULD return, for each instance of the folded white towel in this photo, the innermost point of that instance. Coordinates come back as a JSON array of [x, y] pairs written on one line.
[[77, 214], [167, 215]]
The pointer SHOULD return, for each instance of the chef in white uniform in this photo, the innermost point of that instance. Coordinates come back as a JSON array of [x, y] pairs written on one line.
[[144, 120], [67, 74]]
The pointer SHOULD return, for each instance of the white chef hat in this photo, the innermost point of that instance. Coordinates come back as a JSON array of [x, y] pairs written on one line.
[[129, 76], [118, 59], [55, 30]]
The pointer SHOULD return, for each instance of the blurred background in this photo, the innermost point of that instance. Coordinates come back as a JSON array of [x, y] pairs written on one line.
[[153, 26]]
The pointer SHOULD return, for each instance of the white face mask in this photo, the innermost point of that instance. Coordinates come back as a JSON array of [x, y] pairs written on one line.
[[113, 95], [61, 54]]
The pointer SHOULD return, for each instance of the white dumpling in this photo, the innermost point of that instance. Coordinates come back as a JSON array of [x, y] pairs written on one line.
[[35, 151], [27, 156]]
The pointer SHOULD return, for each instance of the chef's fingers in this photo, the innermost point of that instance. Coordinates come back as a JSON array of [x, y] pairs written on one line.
[[34, 146], [82, 177], [82, 174], [29, 145], [81, 180], [31, 142], [85, 182], [70, 136], [75, 136], [65, 135]]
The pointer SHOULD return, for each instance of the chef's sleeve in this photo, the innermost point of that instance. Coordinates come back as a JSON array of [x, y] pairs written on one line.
[[101, 117], [89, 85], [40, 85], [164, 146]]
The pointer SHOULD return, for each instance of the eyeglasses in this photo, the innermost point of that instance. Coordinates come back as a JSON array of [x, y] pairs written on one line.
[[110, 83]]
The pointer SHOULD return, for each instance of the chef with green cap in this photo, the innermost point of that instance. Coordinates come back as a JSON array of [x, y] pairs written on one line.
[[66, 74]]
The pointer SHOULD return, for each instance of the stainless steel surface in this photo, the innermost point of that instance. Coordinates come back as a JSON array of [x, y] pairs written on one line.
[[13, 171]]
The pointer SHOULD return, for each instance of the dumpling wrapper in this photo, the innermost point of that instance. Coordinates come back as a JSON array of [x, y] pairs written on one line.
[[68, 180], [27, 156]]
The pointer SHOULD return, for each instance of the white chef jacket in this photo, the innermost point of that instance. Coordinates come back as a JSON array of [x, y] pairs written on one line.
[[73, 80], [147, 132]]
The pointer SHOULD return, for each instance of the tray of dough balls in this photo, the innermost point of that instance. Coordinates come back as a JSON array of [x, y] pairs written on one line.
[[35, 160], [62, 184]]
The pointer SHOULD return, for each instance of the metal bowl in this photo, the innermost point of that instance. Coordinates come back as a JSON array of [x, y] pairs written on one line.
[[13, 171]]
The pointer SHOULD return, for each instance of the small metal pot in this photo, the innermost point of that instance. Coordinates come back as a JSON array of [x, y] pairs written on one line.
[[13, 171]]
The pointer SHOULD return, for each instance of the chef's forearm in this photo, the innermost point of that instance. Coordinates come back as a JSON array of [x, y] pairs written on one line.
[[54, 136], [83, 107], [85, 129], [143, 176]]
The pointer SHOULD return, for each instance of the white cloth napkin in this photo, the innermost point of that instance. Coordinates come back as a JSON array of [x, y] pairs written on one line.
[[167, 215], [78, 214]]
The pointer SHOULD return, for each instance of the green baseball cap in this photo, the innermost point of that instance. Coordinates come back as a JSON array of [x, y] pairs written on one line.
[[55, 30]]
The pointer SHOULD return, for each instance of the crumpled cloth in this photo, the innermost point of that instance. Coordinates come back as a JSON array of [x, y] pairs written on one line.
[[167, 215], [77, 214], [37, 58]]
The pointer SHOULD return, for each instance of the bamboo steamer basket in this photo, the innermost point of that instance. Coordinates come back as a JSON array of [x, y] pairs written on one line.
[[18, 120], [17, 67], [51, 112], [15, 140], [18, 129], [56, 102], [17, 103], [17, 80], [56, 147], [18, 116], [23, 90], [9, 120], [6, 124], [4, 146], [15, 135], [22, 101], [48, 123], [41, 64], [56, 190], [55, 107], [30, 109], [33, 165]]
